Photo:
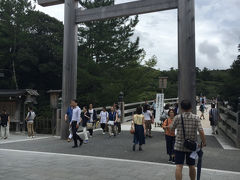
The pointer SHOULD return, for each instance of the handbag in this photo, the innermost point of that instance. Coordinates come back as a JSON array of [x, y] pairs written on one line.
[[111, 123], [132, 129], [89, 125], [189, 144]]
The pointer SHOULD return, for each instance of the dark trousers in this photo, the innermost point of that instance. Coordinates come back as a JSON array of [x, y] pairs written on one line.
[[118, 125], [154, 113], [74, 131], [103, 126], [90, 131], [170, 141]]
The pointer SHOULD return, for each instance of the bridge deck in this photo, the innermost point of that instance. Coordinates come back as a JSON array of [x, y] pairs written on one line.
[[107, 158]]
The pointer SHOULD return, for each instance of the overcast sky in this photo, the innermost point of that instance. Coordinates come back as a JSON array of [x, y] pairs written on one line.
[[217, 33]]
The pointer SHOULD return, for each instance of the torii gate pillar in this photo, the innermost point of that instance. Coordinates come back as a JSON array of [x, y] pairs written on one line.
[[186, 52], [69, 77]]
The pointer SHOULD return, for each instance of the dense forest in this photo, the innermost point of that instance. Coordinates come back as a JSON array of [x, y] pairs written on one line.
[[109, 61]]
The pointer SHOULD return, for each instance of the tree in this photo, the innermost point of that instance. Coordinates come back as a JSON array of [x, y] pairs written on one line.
[[152, 62], [232, 83], [108, 41], [12, 15], [30, 46]]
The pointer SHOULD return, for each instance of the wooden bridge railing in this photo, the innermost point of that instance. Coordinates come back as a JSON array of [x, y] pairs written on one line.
[[229, 124], [44, 125]]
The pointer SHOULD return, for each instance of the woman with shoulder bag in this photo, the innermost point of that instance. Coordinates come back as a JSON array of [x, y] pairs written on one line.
[[139, 129], [170, 135], [93, 119], [112, 119]]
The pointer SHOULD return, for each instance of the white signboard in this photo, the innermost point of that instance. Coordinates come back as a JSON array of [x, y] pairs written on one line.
[[159, 107]]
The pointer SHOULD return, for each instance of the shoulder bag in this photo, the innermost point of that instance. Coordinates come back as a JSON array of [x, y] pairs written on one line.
[[89, 125], [189, 144]]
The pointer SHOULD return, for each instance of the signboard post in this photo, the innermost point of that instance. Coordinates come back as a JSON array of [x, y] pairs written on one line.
[[159, 106]]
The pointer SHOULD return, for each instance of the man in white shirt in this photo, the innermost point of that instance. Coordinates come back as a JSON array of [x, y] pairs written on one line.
[[75, 122]]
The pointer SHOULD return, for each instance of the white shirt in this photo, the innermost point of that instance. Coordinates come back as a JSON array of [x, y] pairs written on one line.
[[91, 114], [103, 116], [76, 114], [147, 115], [31, 116]]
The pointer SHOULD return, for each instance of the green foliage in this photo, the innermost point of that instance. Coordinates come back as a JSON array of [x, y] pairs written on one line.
[[33, 42], [152, 62], [231, 90], [108, 41]]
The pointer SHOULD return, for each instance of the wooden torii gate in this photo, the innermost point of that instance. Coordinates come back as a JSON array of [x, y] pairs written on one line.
[[186, 41]]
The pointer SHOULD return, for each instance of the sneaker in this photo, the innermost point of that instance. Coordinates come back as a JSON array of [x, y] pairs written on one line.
[[74, 146], [28, 137], [173, 160], [90, 136], [69, 140], [5, 137], [103, 133], [86, 141], [140, 148], [33, 136]]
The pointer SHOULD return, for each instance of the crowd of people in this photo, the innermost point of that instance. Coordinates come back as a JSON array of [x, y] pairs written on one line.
[[109, 121]]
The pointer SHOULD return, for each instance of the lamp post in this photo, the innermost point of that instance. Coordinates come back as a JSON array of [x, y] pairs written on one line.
[[163, 83], [120, 97]]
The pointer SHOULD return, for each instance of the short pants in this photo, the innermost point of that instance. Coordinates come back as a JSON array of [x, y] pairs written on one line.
[[180, 157]]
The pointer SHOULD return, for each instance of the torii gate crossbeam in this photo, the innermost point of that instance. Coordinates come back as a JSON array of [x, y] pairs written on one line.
[[186, 41]]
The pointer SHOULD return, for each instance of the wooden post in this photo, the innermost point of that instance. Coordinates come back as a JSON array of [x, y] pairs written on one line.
[[69, 82], [186, 52], [58, 126], [122, 108]]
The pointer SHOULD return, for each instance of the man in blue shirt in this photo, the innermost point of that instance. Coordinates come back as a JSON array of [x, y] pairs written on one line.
[[68, 117]]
